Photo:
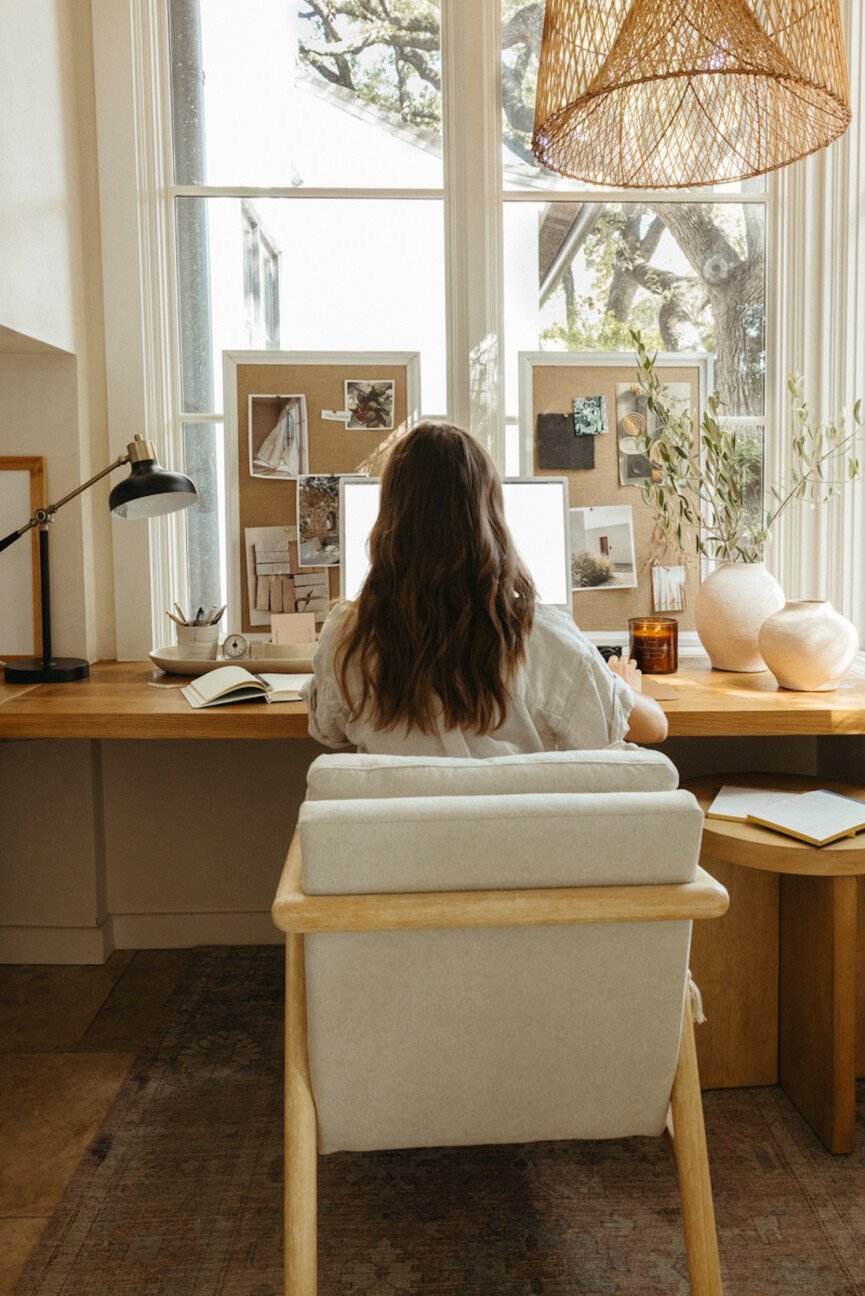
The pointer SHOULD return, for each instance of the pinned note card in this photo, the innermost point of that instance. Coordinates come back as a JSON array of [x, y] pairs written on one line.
[[293, 627]]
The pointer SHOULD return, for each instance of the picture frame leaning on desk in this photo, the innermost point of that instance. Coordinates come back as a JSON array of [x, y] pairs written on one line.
[[149, 491]]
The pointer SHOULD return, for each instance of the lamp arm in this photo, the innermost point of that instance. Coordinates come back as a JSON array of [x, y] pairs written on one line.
[[16, 535], [42, 517], [52, 508]]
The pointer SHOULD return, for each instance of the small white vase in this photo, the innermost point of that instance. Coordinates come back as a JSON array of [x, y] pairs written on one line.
[[808, 646], [730, 607]]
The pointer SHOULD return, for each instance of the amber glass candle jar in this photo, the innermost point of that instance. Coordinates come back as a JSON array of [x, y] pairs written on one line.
[[655, 644]]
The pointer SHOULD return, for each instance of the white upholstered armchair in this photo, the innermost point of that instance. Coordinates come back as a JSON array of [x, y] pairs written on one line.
[[492, 952]]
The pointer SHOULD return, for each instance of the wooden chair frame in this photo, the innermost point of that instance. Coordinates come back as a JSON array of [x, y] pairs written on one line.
[[297, 914]]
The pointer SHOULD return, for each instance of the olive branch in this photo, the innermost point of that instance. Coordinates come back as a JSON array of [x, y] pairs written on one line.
[[699, 497]]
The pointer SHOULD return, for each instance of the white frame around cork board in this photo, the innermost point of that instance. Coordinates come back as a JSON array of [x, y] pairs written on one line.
[[548, 381], [320, 376]]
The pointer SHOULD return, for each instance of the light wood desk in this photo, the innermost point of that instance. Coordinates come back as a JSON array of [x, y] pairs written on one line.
[[118, 702]]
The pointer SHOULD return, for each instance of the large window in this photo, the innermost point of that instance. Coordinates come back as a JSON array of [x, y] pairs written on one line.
[[321, 154]]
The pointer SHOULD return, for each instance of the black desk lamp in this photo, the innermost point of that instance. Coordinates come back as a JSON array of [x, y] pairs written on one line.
[[149, 491]]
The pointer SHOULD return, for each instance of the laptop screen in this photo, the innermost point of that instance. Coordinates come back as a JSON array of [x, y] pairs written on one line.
[[536, 511]]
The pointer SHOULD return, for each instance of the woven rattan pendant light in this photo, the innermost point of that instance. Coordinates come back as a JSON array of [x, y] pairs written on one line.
[[674, 93]]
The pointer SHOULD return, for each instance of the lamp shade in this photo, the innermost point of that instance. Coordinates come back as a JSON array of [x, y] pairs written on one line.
[[678, 93], [151, 491]]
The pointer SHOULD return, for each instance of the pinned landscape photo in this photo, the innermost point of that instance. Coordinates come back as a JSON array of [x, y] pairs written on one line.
[[318, 520], [370, 404], [277, 436], [590, 416], [602, 548]]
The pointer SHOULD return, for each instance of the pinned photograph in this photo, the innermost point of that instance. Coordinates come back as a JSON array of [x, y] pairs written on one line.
[[318, 520], [559, 448], [634, 420], [668, 588], [370, 405], [590, 416], [602, 548], [277, 436]]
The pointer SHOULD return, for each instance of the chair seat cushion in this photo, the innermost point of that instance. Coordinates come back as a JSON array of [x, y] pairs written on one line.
[[620, 768]]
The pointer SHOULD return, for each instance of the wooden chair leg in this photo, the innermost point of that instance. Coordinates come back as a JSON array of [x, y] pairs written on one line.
[[301, 1133], [688, 1138]]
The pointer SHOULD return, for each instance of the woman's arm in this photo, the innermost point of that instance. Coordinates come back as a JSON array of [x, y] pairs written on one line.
[[647, 722]]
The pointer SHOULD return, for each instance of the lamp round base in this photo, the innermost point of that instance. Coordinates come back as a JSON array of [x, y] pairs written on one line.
[[32, 670]]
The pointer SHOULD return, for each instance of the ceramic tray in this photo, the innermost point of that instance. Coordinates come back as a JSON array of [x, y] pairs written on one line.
[[172, 662]]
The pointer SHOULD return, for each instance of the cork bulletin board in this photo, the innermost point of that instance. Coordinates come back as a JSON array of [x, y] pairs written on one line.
[[263, 382], [549, 382]]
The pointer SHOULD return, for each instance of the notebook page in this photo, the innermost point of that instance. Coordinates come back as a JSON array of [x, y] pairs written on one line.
[[284, 688], [818, 815], [737, 803], [215, 683]]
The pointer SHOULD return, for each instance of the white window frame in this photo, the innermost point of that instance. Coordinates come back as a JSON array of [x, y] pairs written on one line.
[[137, 195]]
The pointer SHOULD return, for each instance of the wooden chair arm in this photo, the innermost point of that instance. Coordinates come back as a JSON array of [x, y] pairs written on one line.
[[294, 911]]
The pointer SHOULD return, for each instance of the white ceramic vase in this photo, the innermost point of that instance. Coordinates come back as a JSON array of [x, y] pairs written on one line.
[[808, 646], [730, 607]]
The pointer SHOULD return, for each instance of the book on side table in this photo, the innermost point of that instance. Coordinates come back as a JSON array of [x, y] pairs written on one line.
[[817, 818], [234, 684]]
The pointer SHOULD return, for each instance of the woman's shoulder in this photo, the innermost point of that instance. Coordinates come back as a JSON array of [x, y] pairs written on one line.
[[554, 628]]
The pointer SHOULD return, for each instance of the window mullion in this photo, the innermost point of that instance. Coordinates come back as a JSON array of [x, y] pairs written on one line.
[[471, 125]]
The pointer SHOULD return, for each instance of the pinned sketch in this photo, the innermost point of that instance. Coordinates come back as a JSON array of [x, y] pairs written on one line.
[[318, 520], [602, 548], [277, 436], [558, 446], [370, 405], [634, 420], [590, 416], [668, 588]]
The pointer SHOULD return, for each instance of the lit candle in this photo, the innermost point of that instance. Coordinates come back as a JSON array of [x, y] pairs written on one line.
[[655, 644]]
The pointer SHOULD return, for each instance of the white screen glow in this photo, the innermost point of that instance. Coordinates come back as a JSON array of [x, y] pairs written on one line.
[[535, 514]]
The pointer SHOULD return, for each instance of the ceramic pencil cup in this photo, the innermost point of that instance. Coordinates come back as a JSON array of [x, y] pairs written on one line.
[[198, 642]]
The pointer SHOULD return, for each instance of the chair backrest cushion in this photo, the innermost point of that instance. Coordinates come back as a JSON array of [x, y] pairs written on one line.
[[620, 768], [429, 1038]]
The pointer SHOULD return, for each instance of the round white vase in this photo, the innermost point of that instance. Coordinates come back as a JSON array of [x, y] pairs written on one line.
[[808, 646], [730, 607]]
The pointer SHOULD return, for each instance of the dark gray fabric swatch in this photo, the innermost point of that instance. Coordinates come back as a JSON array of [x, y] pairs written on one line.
[[560, 447]]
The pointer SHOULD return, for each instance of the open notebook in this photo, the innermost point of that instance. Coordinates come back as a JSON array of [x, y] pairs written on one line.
[[234, 684], [816, 817]]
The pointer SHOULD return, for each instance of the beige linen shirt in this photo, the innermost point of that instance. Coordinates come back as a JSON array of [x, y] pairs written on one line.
[[565, 698]]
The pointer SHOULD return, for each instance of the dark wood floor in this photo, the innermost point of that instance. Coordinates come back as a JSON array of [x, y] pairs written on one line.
[[68, 1036]]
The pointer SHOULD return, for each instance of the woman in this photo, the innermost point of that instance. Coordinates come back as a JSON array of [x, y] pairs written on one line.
[[446, 651]]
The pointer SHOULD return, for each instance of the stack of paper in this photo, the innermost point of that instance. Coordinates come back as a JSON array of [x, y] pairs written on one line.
[[815, 817]]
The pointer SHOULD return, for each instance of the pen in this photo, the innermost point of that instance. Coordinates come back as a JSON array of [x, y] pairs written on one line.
[[199, 614], [180, 613]]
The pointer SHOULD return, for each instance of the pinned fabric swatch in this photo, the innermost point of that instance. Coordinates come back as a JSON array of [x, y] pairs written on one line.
[[559, 448]]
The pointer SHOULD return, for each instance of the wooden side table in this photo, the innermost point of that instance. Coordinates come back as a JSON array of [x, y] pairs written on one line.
[[778, 972]]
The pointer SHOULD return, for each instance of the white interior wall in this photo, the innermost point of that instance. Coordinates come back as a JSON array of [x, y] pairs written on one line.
[[52, 371]]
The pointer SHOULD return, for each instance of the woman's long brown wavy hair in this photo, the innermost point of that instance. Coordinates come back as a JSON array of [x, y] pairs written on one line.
[[443, 615]]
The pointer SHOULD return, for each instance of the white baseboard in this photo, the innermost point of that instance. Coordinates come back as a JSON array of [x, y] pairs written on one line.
[[74, 945], [184, 930]]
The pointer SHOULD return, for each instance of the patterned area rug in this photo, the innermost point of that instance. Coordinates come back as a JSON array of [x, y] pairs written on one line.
[[180, 1193]]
